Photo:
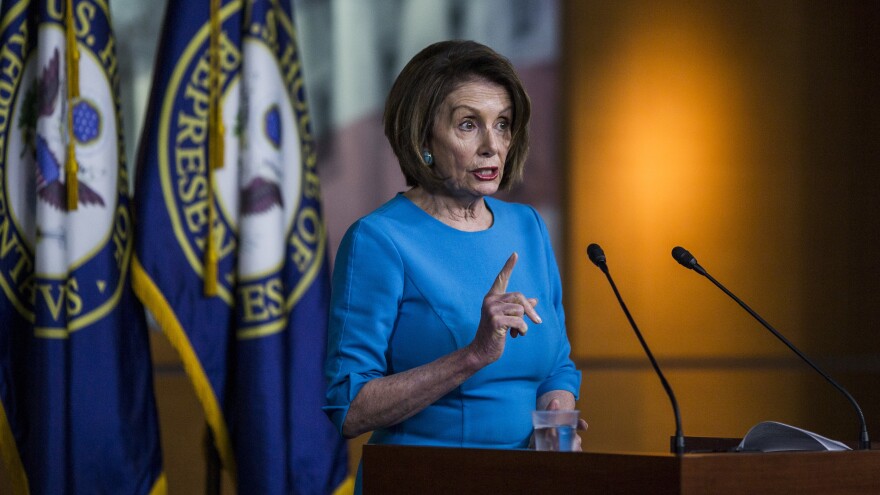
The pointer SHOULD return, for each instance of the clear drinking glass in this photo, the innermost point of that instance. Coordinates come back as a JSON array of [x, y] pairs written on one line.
[[555, 430]]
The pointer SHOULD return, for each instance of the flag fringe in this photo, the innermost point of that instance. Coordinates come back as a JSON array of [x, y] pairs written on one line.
[[155, 302], [160, 487], [346, 487], [11, 457]]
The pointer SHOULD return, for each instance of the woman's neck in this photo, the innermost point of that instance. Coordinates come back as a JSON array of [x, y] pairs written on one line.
[[469, 215]]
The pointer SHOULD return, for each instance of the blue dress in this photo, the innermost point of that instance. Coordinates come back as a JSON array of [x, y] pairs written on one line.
[[408, 289]]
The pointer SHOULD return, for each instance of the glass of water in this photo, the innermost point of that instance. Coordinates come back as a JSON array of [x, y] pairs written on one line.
[[555, 430]]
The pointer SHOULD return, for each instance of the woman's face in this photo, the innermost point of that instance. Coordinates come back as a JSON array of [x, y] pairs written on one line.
[[471, 137]]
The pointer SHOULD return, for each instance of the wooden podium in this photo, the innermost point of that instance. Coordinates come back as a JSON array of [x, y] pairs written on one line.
[[393, 469]]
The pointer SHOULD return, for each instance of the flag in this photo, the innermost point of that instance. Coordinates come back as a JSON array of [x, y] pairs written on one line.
[[231, 248], [78, 412]]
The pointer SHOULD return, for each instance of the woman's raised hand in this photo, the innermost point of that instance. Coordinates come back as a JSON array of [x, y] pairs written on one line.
[[502, 312]]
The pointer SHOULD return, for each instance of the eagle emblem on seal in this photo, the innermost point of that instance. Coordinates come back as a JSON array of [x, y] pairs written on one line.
[[42, 101]]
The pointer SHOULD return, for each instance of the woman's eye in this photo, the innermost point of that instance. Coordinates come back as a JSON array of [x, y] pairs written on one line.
[[504, 125], [467, 125]]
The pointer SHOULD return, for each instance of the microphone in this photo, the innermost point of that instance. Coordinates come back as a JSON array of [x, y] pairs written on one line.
[[597, 256], [687, 260]]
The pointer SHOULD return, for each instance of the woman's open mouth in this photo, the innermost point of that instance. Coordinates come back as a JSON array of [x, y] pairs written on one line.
[[486, 173]]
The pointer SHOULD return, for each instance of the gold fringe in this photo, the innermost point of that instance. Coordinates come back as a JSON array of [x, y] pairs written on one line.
[[215, 146], [14, 467], [72, 65], [160, 487], [346, 488], [153, 299]]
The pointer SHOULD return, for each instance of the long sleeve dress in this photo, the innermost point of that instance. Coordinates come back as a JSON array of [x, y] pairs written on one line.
[[408, 289]]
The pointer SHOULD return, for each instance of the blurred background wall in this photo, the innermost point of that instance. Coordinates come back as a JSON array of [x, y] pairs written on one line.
[[746, 132]]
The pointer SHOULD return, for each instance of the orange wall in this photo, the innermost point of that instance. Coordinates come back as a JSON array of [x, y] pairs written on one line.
[[747, 134]]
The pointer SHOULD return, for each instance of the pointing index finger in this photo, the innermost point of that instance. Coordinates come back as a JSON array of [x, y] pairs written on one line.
[[503, 278]]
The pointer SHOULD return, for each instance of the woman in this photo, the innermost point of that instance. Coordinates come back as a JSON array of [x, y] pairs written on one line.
[[427, 288]]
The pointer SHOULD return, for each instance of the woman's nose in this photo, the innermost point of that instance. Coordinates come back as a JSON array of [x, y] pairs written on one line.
[[490, 143]]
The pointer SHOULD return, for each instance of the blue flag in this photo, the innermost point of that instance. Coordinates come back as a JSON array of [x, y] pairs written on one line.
[[231, 247], [78, 413]]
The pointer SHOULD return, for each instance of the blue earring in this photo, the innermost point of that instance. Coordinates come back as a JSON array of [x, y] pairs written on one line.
[[427, 157]]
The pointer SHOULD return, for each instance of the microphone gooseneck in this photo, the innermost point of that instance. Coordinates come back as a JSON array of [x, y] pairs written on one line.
[[687, 260], [597, 256]]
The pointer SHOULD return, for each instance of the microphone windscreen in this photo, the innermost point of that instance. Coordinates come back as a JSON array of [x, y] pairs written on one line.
[[596, 255], [685, 258]]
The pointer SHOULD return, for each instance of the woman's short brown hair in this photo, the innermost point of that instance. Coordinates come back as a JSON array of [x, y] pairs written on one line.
[[423, 85]]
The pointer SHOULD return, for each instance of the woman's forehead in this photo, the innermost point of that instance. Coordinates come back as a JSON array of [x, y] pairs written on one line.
[[478, 94]]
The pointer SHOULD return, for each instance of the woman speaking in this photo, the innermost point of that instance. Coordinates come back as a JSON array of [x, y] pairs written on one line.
[[446, 319]]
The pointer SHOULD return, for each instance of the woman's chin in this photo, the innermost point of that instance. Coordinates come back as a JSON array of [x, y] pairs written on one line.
[[485, 187], [473, 189]]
